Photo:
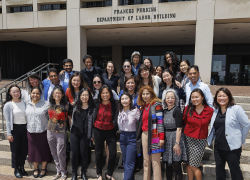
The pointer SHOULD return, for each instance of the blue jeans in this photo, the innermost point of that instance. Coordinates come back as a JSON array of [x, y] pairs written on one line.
[[128, 147]]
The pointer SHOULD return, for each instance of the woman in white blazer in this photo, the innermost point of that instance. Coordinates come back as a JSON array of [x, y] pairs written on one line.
[[229, 128]]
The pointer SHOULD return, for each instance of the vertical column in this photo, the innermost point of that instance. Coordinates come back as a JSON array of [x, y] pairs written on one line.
[[76, 35], [4, 13], [117, 57], [204, 38], [35, 14]]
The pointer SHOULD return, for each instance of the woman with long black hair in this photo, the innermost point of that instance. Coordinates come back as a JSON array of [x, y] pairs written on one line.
[[105, 127], [76, 83], [33, 80], [169, 83], [148, 62], [145, 77], [110, 76], [16, 125], [127, 118], [81, 131], [171, 61], [56, 130], [197, 116]]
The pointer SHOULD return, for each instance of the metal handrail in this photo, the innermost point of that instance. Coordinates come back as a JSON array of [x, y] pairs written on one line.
[[44, 64], [21, 80]]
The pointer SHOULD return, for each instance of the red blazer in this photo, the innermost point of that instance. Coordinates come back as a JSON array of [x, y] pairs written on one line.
[[69, 96], [197, 124]]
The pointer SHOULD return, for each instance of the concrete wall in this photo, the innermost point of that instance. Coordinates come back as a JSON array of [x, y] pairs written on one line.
[[77, 20]]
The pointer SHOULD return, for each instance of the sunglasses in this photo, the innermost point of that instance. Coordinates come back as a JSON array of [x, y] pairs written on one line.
[[97, 82], [126, 66]]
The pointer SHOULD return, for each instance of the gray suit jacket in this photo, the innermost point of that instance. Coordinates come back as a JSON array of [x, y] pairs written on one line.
[[237, 126], [62, 76]]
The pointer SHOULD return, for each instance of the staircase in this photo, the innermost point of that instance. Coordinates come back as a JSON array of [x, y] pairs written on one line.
[[208, 159]]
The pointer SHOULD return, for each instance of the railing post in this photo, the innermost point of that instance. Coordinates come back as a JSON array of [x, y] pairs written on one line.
[[2, 111]]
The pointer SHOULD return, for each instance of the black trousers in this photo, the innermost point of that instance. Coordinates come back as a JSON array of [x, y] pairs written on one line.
[[19, 146], [233, 160], [79, 142], [100, 137]]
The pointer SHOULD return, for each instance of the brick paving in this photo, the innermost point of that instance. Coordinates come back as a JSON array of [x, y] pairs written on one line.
[[7, 173], [235, 90]]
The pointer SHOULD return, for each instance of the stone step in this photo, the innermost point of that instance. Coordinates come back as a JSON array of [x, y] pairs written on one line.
[[5, 146], [241, 99], [209, 156], [209, 169], [5, 159], [245, 106]]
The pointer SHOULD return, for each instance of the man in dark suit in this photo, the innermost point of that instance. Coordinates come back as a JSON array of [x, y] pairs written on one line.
[[90, 70], [67, 66]]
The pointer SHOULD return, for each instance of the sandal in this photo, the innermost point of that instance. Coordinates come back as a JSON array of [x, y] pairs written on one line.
[[63, 177], [44, 174], [57, 176], [36, 175], [109, 178]]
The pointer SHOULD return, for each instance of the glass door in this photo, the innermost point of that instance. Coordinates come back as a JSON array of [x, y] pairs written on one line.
[[238, 70]]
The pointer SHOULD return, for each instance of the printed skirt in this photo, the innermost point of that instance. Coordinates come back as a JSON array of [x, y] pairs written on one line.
[[169, 156], [196, 148]]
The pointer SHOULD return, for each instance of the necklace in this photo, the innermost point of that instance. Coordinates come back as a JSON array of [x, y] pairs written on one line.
[[147, 107]]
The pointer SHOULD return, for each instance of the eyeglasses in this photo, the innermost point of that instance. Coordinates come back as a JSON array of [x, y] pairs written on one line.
[[53, 76], [128, 66], [97, 82]]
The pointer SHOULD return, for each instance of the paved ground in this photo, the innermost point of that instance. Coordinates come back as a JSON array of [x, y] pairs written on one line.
[[7, 173]]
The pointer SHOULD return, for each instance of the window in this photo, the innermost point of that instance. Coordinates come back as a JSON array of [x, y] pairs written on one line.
[[174, 0], [48, 7], [133, 2], [21, 9], [97, 4]]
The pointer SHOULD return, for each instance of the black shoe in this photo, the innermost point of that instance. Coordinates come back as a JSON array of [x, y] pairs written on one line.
[[74, 177], [17, 173], [83, 176], [42, 175], [36, 175], [121, 167], [23, 172]]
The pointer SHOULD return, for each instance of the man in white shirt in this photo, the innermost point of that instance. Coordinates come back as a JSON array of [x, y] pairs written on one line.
[[195, 82], [67, 66]]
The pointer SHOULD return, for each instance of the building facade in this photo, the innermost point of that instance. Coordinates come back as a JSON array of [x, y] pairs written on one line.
[[213, 34]]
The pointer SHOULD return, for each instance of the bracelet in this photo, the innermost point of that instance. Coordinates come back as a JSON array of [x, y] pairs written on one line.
[[177, 143]]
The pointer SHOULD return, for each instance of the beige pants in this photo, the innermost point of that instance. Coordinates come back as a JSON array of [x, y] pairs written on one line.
[[154, 158]]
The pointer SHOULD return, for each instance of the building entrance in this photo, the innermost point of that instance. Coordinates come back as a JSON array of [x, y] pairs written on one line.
[[238, 70]]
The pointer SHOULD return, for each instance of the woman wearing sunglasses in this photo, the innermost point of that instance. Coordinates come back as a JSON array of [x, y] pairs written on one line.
[[126, 72], [97, 84]]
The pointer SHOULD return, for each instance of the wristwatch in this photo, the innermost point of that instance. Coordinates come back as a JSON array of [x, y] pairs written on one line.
[[177, 143]]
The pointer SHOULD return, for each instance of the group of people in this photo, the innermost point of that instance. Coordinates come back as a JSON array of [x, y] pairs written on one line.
[[158, 112]]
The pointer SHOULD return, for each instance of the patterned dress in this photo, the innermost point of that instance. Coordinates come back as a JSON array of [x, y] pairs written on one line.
[[172, 120]]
